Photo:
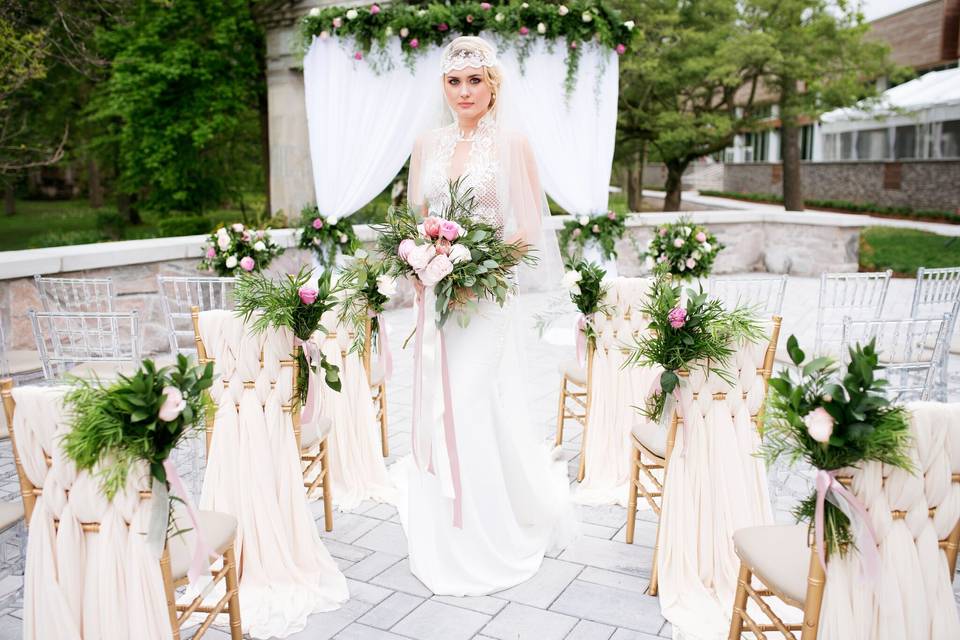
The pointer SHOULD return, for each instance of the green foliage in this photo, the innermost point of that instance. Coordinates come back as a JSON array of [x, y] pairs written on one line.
[[233, 249], [327, 235], [603, 229], [365, 289], [700, 334], [117, 425], [280, 304], [906, 250], [695, 255], [866, 426], [433, 24], [587, 287], [189, 225]]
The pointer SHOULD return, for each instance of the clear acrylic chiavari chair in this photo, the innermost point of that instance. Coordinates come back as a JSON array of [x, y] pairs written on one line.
[[180, 294], [859, 296], [87, 343], [762, 293], [76, 295], [938, 291]]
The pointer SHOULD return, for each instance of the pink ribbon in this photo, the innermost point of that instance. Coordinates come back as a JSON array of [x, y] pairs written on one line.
[[310, 412], [866, 537], [581, 337], [385, 348], [448, 424], [202, 553]]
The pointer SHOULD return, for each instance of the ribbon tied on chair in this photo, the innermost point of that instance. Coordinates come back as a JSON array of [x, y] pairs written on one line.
[[829, 488]]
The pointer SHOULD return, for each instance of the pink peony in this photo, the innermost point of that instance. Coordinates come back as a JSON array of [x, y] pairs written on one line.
[[443, 246], [438, 269], [662, 232], [485, 6], [524, 31], [414, 43], [431, 226], [247, 263], [596, 228], [337, 23], [405, 248], [678, 242], [677, 317], [576, 232], [358, 56], [443, 26], [173, 404], [308, 295], [318, 223], [246, 236], [701, 236], [621, 49], [374, 9], [211, 252], [691, 263], [612, 215], [450, 230], [421, 255], [819, 424]]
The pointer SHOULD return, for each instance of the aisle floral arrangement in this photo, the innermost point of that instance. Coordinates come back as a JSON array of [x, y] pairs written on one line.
[[686, 249], [294, 304], [366, 288], [235, 249], [138, 418], [461, 258], [586, 282], [579, 23], [327, 236], [688, 330], [833, 420], [604, 230]]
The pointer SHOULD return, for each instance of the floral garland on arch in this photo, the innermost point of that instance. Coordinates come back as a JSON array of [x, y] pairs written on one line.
[[578, 22], [603, 229], [235, 249], [327, 236], [834, 420], [688, 250]]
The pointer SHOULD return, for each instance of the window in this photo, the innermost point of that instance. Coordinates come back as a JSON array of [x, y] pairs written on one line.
[[872, 144], [806, 142], [756, 147], [846, 145], [906, 142], [950, 139]]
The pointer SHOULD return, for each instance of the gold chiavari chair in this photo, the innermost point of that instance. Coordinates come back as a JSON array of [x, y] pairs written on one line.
[[312, 445], [653, 446], [575, 386], [219, 532], [376, 374]]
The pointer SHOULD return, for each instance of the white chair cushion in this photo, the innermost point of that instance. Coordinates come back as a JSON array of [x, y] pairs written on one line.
[[22, 361], [652, 436], [574, 372], [109, 369], [310, 436], [779, 556], [10, 512], [219, 530]]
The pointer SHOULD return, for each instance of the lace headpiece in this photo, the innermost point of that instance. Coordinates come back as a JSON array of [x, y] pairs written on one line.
[[455, 59]]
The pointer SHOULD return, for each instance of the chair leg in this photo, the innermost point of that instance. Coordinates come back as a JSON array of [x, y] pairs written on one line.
[[816, 580], [233, 606], [560, 412], [382, 399], [739, 602], [632, 496], [654, 587], [327, 495], [170, 593], [583, 446]]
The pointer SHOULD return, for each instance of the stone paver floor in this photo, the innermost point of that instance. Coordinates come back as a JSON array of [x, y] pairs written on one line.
[[595, 589]]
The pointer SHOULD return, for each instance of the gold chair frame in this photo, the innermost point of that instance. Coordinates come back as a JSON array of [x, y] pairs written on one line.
[[741, 621], [180, 614], [579, 395], [379, 391], [311, 460], [654, 495]]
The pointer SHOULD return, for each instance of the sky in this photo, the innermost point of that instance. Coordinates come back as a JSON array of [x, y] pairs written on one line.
[[874, 9]]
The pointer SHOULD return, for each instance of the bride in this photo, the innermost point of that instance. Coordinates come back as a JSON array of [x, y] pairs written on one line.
[[485, 502]]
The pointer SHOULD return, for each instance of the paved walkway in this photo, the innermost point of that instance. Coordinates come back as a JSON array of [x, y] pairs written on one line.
[[593, 590]]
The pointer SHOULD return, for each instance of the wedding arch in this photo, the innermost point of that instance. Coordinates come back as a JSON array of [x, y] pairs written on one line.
[[371, 79]]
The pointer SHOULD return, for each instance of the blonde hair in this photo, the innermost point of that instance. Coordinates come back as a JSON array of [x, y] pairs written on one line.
[[492, 76]]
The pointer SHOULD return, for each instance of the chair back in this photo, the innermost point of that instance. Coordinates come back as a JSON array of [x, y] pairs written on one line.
[[623, 321], [937, 291], [909, 350], [856, 295], [762, 293], [178, 296], [65, 339], [75, 295]]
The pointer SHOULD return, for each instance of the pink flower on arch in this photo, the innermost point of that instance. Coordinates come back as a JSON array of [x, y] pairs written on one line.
[[414, 43], [612, 215], [621, 49], [576, 232], [524, 31], [485, 6], [374, 9], [318, 223], [677, 317]]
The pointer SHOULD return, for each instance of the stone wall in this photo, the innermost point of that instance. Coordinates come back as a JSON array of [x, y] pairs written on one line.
[[921, 184]]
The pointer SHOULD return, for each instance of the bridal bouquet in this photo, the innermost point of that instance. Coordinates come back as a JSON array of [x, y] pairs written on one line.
[[833, 420], [688, 329], [461, 258], [687, 249], [236, 249]]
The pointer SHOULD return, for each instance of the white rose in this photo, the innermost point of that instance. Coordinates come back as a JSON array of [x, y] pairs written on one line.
[[404, 32], [571, 280], [562, 10], [352, 14], [223, 242], [541, 28], [259, 246], [343, 238], [422, 12], [587, 16], [386, 285], [420, 255], [332, 220], [231, 262], [695, 255], [524, 6], [173, 404], [819, 424], [498, 17], [706, 247], [629, 24], [459, 253], [678, 242], [583, 220], [315, 11], [691, 263], [238, 227], [360, 254], [680, 267]]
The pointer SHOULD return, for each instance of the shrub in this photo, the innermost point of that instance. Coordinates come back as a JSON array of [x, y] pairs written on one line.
[[183, 226], [65, 238]]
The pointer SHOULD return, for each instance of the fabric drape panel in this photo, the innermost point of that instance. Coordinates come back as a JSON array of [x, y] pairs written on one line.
[[254, 474], [95, 585], [615, 394]]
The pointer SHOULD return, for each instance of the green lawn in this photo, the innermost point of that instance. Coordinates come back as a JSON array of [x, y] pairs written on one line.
[[903, 250]]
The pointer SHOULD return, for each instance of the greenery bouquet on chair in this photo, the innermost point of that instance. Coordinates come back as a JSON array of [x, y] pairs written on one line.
[[687, 330], [366, 288], [834, 420], [291, 303]]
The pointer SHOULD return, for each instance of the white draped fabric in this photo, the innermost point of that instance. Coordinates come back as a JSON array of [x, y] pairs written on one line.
[[358, 471], [616, 392], [715, 485], [913, 598], [362, 124], [254, 473], [104, 585], [593, 253]]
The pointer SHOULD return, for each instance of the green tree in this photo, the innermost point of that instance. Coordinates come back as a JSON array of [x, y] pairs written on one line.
[[181, 102], [815, 58]]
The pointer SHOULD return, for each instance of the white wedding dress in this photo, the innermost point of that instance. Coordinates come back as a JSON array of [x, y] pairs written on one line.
[[515, 495]]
